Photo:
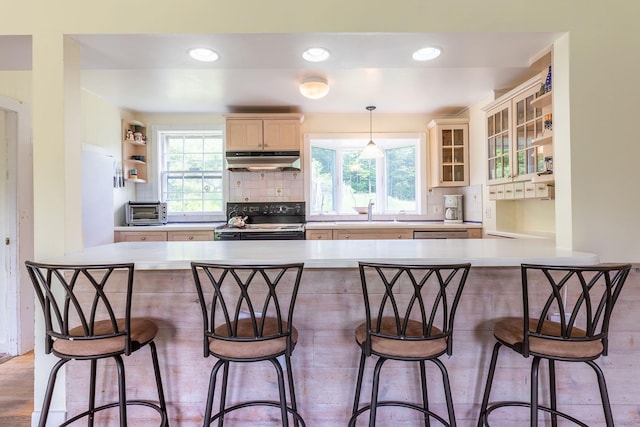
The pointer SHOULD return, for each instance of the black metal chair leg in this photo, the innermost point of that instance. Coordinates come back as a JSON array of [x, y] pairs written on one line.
[[604, 394], [447, 391], [552, 391], [223, 390], [156, 370], [282, 392], [374, 392], [487, 388], [535, 370], [210, 394], [92, 393], [356, 400], [122, 388], [44, 414], [292, 391], [425, 396]]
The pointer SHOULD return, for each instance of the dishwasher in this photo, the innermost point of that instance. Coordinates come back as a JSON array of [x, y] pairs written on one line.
[[440, 234]]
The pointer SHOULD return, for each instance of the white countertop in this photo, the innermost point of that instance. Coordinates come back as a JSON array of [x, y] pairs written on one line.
[[173, 226], [414, 225], [330, 253]]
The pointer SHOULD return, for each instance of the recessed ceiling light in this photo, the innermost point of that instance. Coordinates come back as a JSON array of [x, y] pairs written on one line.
[[427, 53], [316, 54], [203, 54]]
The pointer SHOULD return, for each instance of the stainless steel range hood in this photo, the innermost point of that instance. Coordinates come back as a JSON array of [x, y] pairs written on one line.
[[263, 160]]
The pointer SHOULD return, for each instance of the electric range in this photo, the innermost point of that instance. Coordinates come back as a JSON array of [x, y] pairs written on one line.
[[265, 221]]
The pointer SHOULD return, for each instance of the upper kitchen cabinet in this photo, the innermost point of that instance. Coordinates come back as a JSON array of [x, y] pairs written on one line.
[[449, 153], [259, 132], [520, 141], [516, 136], [134, 150]]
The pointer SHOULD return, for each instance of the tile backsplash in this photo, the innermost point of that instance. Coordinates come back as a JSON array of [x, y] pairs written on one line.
[[266, 186]]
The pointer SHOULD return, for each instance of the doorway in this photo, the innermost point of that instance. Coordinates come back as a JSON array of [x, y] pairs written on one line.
[[16, 228]]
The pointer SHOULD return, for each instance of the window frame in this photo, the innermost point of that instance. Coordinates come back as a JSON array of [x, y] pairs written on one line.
[[359, 141], [156, 187]]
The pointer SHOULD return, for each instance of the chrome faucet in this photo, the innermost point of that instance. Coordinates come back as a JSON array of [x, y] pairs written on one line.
[[370, 210]]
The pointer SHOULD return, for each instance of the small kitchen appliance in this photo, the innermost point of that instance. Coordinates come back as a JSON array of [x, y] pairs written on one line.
[[263, 221], [145, 213], [453, 208]]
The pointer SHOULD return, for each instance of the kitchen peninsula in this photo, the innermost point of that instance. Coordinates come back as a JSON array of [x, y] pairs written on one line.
[[328, 308]]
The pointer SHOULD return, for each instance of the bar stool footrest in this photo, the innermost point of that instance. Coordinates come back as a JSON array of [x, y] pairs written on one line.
[[164, 422], [413, 406], [274, 404], [484, 417]]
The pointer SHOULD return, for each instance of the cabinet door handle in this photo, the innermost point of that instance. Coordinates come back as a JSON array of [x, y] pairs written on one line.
[[190, 237], [346, 236], [143, 238]]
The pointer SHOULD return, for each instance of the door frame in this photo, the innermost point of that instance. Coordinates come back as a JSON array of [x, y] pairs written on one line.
[[19, 328]]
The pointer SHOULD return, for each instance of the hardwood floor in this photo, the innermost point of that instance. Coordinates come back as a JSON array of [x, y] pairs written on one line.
[[16, 391]]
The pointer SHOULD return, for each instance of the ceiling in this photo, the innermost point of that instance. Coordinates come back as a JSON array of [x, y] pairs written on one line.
[[154, 73]]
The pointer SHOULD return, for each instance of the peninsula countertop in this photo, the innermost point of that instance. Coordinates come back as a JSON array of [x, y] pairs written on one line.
[[330, 253]]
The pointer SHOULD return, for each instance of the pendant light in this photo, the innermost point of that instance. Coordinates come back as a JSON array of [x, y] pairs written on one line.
[[371, 151]]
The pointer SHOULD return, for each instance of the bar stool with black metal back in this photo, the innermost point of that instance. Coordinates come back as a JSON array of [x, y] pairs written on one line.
[[569, 324], [87, 316], [410, 311], [247, 312]]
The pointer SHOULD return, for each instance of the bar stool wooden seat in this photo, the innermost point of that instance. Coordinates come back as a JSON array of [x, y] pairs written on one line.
[[409, 316], [247, 313], [87, 316], [565, 319]]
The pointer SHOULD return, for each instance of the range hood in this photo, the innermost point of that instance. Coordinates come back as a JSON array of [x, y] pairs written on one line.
[[263, 160]]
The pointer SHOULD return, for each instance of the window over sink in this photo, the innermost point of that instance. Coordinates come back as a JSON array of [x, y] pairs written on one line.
[[340, 181]]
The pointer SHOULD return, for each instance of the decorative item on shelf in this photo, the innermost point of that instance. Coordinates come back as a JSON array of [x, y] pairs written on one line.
[[548, 121], [371, 151], [129, 136], [133, 173], [138, 158], [548, 164], [138, 137], [547, 82]]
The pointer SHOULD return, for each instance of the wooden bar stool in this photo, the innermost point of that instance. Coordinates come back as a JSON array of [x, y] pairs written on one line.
[[87, 316], [565, 319], [409, 314], [247, 313]]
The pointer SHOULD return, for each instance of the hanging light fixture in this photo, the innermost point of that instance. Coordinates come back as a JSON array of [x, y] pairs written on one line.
[[371, 151]]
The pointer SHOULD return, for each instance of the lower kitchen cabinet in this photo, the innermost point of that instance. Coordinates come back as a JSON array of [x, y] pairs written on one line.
[[377, 234], [319, 235], [141, 236], [163, 236], [175, 236]]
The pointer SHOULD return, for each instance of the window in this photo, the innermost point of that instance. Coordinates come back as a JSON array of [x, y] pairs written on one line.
[[340, 180], [191, 173]]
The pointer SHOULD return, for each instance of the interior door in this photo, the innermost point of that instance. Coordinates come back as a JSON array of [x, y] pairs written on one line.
[[4, 234]]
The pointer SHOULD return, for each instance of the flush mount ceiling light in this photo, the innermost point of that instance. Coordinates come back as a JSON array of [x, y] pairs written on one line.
[[427, 53], [371, 151], [316, 54], [314, 87], [203, 54]]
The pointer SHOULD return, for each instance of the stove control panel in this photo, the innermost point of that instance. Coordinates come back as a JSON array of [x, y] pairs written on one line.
[[266, 209]]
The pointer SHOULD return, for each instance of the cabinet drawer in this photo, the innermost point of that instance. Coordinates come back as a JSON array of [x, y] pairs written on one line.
[[529, 190], [509, 192], [518, 190], [141, 236], [493, 192], [544, 191], [180, 236], [500, 192], [319, 235]]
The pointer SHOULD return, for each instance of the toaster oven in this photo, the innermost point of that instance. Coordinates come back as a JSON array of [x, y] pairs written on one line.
[[145, 213]]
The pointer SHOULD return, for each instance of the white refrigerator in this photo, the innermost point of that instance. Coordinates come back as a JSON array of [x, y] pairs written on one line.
[[97, 197]]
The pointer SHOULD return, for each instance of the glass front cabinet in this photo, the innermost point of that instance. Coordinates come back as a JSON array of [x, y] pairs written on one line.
[[513, 127], [449, 152]]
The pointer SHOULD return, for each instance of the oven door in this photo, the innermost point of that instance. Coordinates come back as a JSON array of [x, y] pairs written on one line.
[[273, 235]]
